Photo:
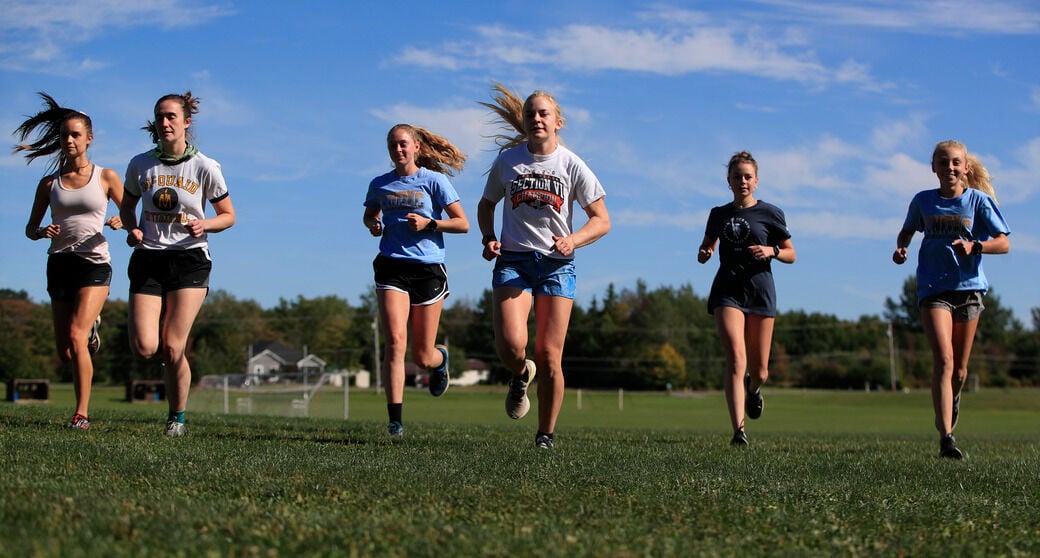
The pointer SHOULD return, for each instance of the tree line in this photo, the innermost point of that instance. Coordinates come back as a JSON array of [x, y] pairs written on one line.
[[634, 338]]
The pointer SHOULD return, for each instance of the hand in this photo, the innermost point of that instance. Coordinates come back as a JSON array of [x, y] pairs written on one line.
[[196, 227], [761, 252], [492, 250], [564, 245], [962, 247], [50, 231], [115, 223], [704, 254], [899, 256], [134, 237], [416, 222], [375, 227]]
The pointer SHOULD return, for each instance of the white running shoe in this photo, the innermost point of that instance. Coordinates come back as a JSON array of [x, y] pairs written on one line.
[[517, 403], [175, 429]]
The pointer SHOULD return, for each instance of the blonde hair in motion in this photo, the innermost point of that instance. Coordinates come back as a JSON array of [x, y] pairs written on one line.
[[435, 152], [509, 109]]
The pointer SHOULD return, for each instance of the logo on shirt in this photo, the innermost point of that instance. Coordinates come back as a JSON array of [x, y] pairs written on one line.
[[165, 199], [404, 199], [952, 226], [736, 230], [537, 191]]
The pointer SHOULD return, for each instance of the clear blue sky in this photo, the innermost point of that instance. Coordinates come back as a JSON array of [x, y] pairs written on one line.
[[841, 104]]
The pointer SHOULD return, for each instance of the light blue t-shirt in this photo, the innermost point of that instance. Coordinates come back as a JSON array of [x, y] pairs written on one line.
[[971, 216], [424, 193]]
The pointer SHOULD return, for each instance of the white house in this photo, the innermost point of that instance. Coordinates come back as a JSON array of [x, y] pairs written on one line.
[[268, 359]]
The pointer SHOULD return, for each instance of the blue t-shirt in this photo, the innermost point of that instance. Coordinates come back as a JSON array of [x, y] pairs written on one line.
[[971, 216], [424, 193]]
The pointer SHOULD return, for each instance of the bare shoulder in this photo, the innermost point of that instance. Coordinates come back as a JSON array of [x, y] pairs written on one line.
[[110, 176], [45, 184]]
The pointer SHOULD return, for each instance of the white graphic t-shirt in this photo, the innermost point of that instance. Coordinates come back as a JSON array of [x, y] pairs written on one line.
[[539, 191]]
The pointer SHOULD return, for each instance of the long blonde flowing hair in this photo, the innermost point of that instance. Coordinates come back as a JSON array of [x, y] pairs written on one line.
[[435, 152], [509, 107]]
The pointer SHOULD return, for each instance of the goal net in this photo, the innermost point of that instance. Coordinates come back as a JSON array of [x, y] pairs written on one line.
[[297, 394]]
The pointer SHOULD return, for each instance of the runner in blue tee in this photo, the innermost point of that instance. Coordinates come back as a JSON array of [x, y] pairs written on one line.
[[960, 221], [406, 207]]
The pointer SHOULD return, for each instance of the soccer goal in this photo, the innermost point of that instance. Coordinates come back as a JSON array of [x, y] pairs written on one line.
[[297, 394]]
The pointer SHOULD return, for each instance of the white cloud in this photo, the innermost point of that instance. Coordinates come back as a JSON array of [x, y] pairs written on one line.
[[998, 17], [43, 31], [1016, 184], [808, 166], [690, 221], [889, 136], [697, 48], [428, 59], [72, 16], [899, 177], [467, 128], [834, 225]]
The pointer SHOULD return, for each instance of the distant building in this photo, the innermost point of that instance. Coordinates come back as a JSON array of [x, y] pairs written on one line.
[[270, 358]]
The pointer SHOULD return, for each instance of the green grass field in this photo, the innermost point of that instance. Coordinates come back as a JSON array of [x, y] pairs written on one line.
[[828, 473]]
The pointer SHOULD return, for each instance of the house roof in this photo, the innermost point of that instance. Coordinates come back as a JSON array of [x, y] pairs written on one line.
[[284, 354]]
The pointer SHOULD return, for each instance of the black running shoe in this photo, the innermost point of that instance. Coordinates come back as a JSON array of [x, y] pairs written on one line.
[[948, 447], [739, 439], [753, 402], [439, 377], [543, 441]]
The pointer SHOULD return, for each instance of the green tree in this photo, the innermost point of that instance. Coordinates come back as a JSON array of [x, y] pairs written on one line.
[[223, 332], [326, 326], [664, 365], [905, 312], [27, 345]]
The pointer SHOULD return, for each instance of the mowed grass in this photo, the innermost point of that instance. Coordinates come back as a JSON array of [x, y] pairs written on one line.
[[828, 473]]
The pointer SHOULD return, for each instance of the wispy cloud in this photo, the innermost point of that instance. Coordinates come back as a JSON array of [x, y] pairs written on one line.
[[997, 17], [655, 49], [850, 225], [36, 35], [465, 127]]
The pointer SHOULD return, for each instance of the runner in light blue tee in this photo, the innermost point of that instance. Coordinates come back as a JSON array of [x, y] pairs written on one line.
[[960, 222]]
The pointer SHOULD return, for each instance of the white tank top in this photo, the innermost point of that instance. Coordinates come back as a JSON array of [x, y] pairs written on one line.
[[81, 214]]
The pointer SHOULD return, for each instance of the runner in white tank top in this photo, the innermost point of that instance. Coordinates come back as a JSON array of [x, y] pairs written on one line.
[[78, 270]]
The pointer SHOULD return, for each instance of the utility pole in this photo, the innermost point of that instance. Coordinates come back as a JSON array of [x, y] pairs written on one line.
[[892, 356], [377, 364]]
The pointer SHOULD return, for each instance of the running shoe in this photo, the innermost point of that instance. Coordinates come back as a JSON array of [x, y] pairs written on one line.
[[439, 377], [948, 447], [395, 429], [739, 439], [517, 403], [79, 422], [175, 429], [543, 441], [753, 402], [956, 411], [94, 341]]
